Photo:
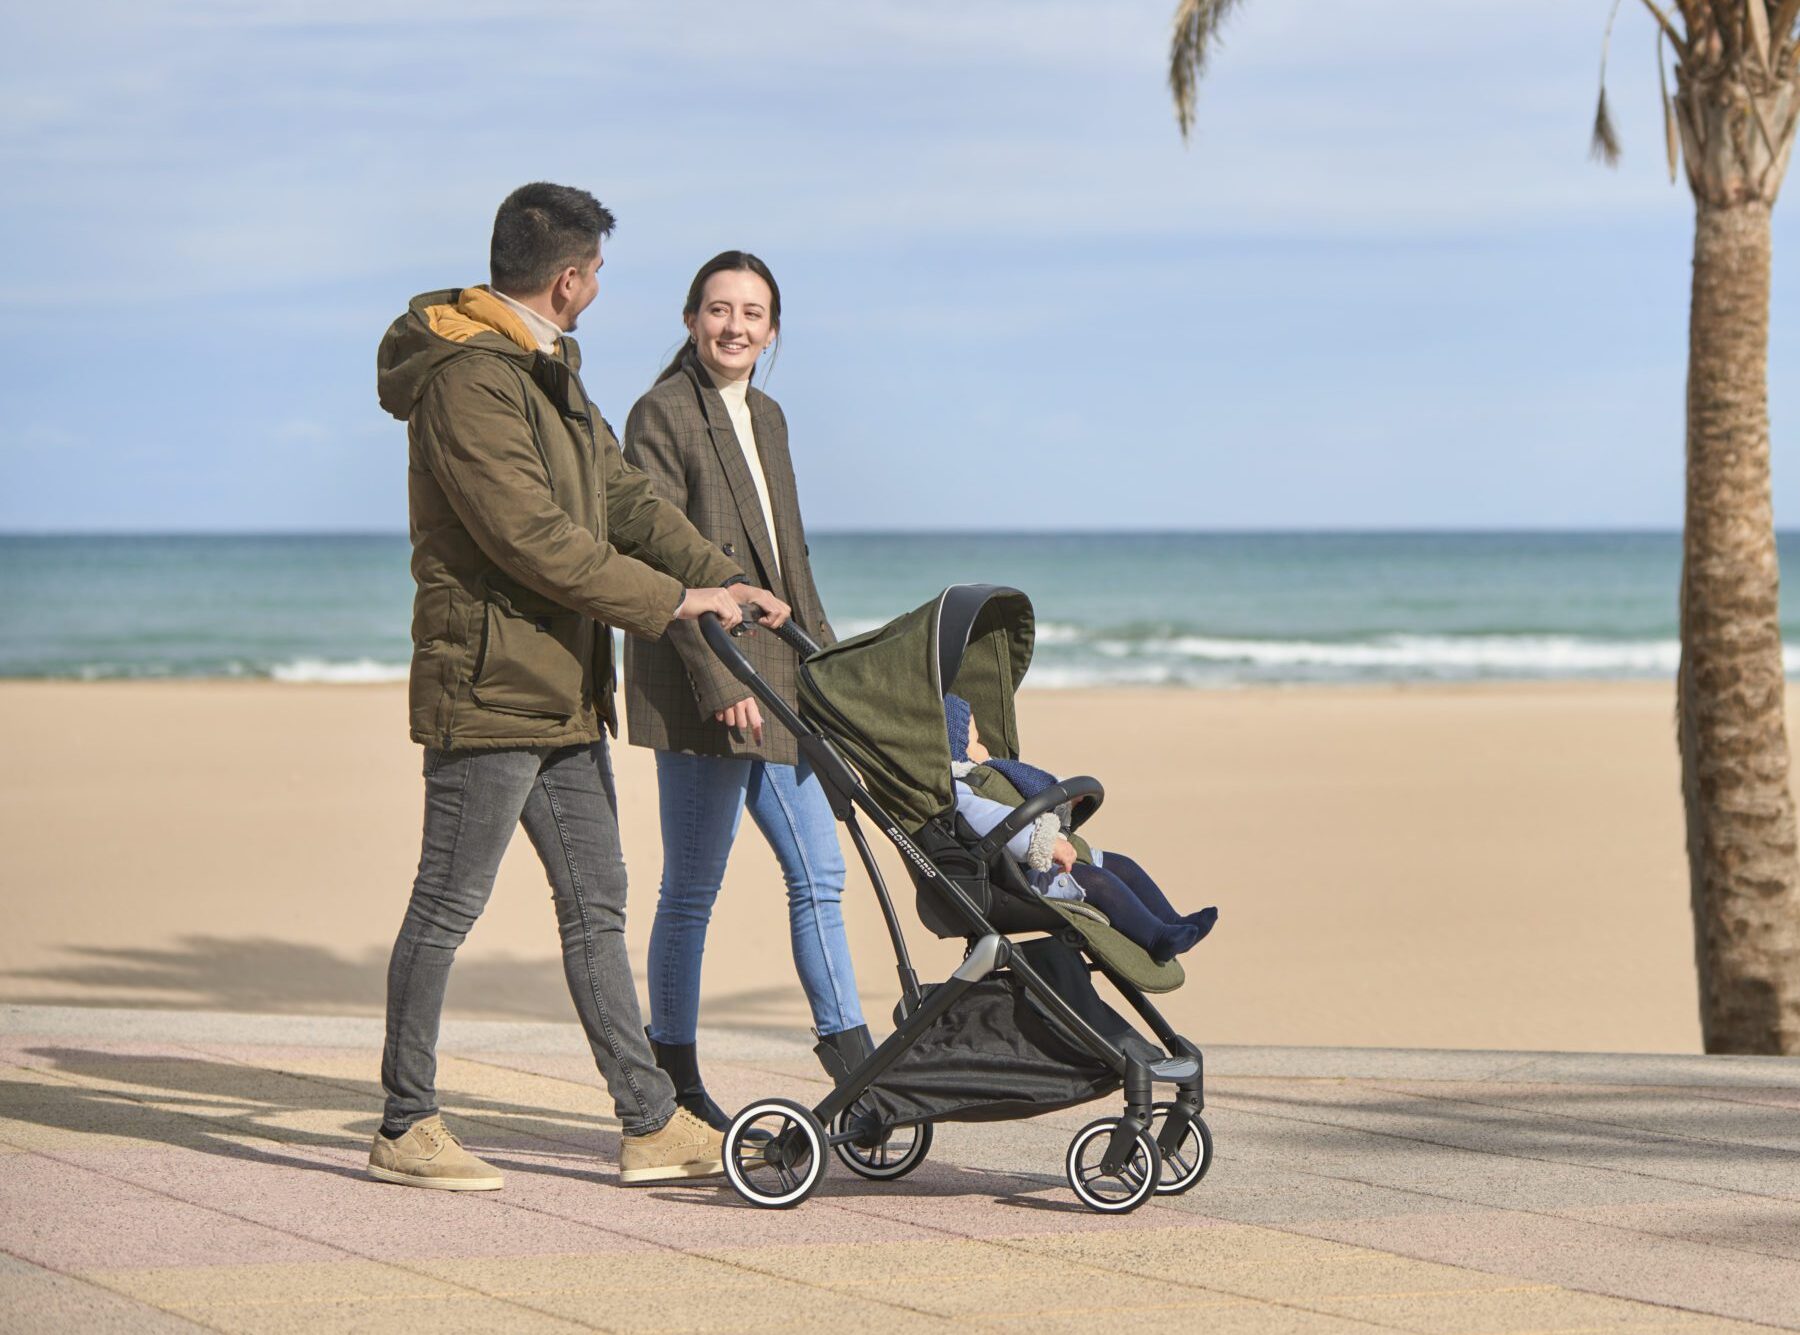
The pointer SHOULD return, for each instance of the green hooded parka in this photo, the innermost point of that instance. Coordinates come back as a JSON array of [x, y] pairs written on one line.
[[531, 535]]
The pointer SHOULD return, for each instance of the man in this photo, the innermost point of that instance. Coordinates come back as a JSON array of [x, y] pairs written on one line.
[[531, 538]]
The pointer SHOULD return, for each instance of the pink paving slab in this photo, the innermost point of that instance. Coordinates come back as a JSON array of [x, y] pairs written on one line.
[[324, 1196], [66, 1216]]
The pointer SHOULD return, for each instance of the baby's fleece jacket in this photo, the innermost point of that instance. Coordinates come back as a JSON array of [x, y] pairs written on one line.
[[1031, 845]]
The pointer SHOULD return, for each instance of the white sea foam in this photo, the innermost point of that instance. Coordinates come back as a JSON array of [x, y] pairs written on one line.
[[1206, 660], [1548, 655], [353, 673]]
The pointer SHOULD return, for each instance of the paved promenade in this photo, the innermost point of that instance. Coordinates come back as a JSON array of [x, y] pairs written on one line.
[[168, 1171]]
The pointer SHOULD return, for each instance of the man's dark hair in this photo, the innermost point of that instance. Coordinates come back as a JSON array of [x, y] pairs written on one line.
[[540, 230]]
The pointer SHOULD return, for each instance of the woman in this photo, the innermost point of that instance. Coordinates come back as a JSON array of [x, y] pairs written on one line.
[[718, 448]]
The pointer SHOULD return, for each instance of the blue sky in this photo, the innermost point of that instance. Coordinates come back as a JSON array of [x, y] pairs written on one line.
[[1383, 287]]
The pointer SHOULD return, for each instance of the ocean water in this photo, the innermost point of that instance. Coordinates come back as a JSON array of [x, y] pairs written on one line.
[[1195, 610]]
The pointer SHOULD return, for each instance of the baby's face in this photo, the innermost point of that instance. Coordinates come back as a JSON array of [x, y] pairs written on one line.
[[977, 752]]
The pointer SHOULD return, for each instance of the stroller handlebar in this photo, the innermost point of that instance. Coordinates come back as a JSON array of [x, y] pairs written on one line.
[[1078, 789], [789, 632], [720, 641]]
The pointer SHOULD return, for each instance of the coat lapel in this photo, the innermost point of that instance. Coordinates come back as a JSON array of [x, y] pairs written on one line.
[[736, 467]]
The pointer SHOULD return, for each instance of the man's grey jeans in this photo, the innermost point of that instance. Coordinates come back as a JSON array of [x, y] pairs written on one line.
[[473, 801]]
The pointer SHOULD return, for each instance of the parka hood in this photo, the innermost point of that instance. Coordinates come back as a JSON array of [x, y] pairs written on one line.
[[439, 328]]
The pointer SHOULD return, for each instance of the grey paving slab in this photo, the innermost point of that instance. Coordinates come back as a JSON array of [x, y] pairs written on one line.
[[1703, 1115], [1499, 1156]]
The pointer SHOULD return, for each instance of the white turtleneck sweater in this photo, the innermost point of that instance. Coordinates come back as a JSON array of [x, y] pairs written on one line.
[[544, 331], [736, 394]]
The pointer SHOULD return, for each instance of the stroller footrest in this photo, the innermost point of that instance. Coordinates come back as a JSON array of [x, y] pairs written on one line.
[[1174, 1069]]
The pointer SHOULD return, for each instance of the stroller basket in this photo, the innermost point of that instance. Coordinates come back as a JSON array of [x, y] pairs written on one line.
[[991, 1057], [1018, 1029]]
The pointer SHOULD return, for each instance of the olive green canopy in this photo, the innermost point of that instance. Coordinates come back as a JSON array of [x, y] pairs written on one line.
[[880, 695]]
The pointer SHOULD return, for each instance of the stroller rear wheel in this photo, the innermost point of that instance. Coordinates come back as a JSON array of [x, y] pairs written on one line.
[[775, 1153], [1112, 1191], [898, 1152], [1184, 1165]]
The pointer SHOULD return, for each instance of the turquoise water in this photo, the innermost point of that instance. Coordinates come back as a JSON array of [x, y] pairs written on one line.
[[1149, 609]]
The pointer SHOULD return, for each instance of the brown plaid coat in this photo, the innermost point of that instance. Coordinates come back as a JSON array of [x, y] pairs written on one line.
[[681, 435]]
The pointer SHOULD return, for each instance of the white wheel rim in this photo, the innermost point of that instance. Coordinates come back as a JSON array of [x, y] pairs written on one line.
[[734, 1138], [1080, 1181], [852, 1154]]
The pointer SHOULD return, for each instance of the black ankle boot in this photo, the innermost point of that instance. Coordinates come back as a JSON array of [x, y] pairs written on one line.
[[681, 1063], [842, 1053]]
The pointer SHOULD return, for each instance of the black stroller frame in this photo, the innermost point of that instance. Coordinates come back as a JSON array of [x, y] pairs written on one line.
[[1152, 1148]]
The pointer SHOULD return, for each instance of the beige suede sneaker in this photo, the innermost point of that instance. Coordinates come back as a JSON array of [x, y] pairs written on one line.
[[428, 1155], [683, 1147]]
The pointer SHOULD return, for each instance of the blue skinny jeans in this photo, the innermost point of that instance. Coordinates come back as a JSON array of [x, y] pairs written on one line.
[[703, 799]]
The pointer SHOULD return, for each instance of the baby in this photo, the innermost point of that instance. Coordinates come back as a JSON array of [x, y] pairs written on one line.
[[1058, 866]]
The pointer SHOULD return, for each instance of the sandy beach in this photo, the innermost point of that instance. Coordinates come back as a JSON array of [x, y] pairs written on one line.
[[1478, 867]]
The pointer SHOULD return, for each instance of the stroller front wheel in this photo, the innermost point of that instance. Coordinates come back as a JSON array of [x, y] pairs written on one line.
[[1186, 1162], [775, 1153], [899, 1151], [1112, 1190]]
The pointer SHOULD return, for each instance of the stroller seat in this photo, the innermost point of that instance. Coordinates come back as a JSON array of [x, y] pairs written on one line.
[[1000, 890]]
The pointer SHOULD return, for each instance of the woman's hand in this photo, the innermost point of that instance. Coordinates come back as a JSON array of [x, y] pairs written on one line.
[[744, 716], [1062, 856], [774, 612]]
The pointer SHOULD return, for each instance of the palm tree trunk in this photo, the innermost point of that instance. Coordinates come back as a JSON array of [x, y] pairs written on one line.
[[1744, 873]]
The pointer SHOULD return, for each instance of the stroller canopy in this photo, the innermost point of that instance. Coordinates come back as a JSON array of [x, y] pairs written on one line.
[[880, 695]]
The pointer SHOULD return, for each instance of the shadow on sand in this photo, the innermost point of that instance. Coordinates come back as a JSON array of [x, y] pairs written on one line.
[[267, 976]]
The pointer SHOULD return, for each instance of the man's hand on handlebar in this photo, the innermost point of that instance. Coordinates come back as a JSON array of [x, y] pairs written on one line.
[[719, 602], [743, 717], [774, 613]]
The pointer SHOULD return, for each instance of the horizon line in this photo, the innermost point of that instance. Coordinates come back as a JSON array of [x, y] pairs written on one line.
[[1398, 530]]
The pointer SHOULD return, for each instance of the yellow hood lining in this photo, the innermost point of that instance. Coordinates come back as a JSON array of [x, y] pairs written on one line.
[[478, 311]]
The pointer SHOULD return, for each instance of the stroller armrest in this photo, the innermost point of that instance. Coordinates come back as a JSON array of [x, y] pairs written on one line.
[[1078, 789]]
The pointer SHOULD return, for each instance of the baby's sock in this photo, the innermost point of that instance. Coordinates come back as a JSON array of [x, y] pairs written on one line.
[[1203, 920], [1171, 939]]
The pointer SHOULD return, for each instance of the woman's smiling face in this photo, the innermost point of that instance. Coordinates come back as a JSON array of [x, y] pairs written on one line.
[[732, 326]]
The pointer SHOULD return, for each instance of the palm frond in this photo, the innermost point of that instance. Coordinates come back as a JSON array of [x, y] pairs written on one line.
[[1671, 134], [1668, 27], [1756, 29], [1604, 146], [1196, 35]]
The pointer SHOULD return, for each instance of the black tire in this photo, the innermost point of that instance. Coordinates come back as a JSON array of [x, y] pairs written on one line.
[[1182, 1169], [1111, 1193], [783, 1169], [902, 1149]]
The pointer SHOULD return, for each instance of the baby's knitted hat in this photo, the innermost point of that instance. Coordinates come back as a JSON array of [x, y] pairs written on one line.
[[956, 721]]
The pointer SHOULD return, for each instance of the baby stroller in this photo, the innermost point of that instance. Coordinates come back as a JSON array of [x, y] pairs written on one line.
[[1018, 1029]]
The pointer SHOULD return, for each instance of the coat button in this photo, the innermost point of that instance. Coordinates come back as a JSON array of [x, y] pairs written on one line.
[[730, 550]]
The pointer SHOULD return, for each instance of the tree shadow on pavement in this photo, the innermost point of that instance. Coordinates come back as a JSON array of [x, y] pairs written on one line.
[[260, 974], [258, 1113]]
